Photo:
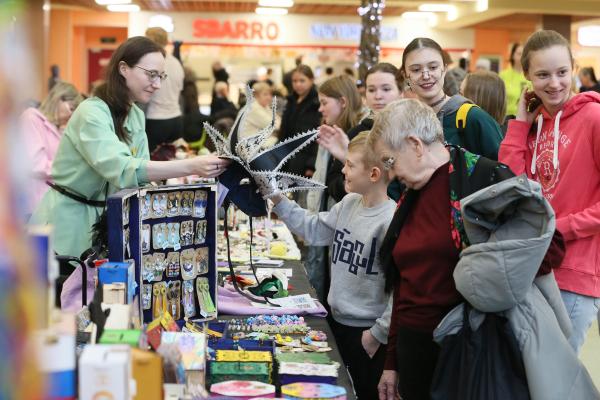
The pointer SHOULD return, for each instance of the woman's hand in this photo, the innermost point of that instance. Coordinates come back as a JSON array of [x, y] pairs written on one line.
[[209, 166], [388, 385], [334, 140], [527, 96], [369, 343]]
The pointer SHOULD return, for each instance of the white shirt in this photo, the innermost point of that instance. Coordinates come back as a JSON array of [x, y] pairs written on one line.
[[165, 101]]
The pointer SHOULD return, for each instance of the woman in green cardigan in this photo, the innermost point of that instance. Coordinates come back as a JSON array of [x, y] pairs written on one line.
[[424, 67], [104, 149]]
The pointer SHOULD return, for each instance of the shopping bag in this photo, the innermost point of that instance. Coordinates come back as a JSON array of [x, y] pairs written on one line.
[[485, 364]]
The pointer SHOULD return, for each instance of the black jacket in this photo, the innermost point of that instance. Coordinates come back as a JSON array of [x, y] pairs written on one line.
[[299, 118]]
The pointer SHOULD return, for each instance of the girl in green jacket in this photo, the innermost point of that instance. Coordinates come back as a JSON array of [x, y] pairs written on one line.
[[424, 67], [105, 149]]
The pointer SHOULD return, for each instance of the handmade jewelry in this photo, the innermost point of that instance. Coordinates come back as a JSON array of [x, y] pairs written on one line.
[[173, 265], [145, 238], [200, 232], [201, 260], [189, 303], [173, 204], [207, 307], [146, 297], [146, 202], [188, 268], [200, 201]]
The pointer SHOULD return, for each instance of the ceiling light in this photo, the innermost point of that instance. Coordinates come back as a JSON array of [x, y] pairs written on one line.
[[481, 5], [589, 35], [275, 3], [429, 7], [271, 11], [123, 8], [109, 2], [420, 16], [162, 21]]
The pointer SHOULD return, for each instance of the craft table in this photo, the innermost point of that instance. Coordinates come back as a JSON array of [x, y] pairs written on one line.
[[300, 284]]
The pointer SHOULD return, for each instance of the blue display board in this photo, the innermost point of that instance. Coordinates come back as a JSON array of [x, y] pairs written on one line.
[[170, 232]]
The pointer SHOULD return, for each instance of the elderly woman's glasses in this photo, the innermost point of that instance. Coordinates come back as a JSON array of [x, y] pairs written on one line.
[[388, 162], [153, 75]]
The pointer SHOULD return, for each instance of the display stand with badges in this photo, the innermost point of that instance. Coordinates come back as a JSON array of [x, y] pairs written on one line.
[[170, 233]]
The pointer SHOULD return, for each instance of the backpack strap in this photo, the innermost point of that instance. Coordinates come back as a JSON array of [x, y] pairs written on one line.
[[461, 115]]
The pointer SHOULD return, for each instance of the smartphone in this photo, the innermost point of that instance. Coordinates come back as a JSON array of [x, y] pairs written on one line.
[[533, 102]]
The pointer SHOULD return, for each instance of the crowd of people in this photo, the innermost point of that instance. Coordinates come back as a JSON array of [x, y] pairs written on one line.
[[388, 243]]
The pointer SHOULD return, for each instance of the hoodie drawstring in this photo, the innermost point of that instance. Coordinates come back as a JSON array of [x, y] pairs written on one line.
[[556, 139], [540, 121]]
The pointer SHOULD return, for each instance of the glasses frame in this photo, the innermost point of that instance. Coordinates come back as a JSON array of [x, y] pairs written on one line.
[[421, 74], [153, 75]]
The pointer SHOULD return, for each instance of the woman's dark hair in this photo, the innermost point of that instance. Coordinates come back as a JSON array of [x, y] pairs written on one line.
[[513, 50], [422, 43], [304, 70], [386, 68], [589, 72], [114, 91]]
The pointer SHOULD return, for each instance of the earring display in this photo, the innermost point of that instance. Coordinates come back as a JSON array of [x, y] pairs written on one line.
[[173, 200], [188, 269], [200, 204], [145, 238], [187, 200], [201, 260], [170, 237], [173, 265], [200, 232], [187, 233]]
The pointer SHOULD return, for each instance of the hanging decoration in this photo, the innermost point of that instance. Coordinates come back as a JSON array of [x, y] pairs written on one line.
[[370, 13]]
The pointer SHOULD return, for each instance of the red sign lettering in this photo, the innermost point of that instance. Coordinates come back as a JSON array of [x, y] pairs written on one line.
[[215, 29]]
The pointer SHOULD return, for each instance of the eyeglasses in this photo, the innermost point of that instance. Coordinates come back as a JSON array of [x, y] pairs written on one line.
[[418, 72], [153, 75]]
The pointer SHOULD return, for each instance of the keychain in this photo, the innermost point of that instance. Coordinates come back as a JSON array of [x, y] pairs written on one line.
[[189, 303]]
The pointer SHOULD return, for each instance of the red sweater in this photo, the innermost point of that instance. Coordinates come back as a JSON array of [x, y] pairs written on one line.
[[569, 171], [425, 255]]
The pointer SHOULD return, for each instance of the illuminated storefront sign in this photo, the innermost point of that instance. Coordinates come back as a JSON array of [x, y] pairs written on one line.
[[348, 32], [239, 29]]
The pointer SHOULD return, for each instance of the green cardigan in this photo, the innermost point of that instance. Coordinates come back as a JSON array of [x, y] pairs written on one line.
[[90, 156]]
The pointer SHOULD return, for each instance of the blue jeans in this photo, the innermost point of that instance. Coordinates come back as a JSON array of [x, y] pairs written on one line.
[[582, 310]]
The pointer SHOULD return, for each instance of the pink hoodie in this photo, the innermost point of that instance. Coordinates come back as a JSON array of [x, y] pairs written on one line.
[[562, 153]]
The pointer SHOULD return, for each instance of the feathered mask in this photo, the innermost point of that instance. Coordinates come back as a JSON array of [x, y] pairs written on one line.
[[261, 165]]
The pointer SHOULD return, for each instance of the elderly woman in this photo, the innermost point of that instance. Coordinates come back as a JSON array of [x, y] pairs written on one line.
[[425, 238]]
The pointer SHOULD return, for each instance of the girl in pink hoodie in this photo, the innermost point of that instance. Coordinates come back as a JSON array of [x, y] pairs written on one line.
[[555, 140]]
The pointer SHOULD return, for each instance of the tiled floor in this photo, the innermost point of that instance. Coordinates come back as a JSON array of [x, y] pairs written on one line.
[[590, 353]]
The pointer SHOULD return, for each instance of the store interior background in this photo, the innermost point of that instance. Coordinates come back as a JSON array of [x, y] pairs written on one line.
[[79, 36]]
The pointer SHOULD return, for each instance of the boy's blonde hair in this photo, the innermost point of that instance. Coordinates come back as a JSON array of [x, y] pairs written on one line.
[[369, 158]]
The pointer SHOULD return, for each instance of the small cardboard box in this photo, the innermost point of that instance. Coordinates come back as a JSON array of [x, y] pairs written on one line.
[[105, 372], [147, 372], [119, 272]]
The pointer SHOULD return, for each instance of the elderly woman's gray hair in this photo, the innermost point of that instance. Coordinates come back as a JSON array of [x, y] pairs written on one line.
[[404, 118]]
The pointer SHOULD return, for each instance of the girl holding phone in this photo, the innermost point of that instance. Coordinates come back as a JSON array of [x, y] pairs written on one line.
[[555, 140]]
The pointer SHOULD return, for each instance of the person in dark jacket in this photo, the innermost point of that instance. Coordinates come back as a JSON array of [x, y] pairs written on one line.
[[301, 114], [382, 88]]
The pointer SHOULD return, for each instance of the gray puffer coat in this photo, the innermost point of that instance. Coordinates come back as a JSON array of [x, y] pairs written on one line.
[[510, 226]]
